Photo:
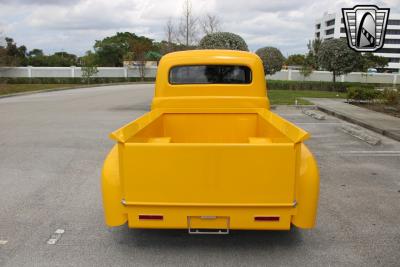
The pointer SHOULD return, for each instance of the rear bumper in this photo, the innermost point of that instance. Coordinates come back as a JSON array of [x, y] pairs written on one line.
[[178, 217]]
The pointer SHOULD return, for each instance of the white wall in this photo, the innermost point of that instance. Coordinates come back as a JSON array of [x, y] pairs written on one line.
[[72, 72], [124, 72], [295, 75]]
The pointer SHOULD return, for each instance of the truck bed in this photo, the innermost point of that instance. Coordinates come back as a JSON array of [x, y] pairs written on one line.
[[210, 128], [193, 160]]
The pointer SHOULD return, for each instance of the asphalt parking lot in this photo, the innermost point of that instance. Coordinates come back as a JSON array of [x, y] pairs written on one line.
[[52, 146]]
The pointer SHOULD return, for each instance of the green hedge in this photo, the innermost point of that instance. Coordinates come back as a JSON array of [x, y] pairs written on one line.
[[71, 80], [272, 84], [317, 86], [388, 95], [357, 93]]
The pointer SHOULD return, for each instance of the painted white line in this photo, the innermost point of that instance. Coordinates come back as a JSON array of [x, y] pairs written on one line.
[[290, 114], [360, 153], [314, 114], [319, 123], [55, 236], [52, 241], [374, 155], [369, 152], [3, 242], [60, 231]]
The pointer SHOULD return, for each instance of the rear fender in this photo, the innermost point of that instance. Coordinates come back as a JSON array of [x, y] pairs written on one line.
[[115, 213], [307, 191]]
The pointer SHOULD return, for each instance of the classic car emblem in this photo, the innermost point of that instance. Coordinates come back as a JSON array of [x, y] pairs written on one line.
[[365, 27]]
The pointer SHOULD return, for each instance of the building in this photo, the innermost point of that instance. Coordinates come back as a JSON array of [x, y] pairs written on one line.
[[331, 26]]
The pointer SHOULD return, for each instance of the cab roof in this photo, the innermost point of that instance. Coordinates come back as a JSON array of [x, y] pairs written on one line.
[[217, 53]]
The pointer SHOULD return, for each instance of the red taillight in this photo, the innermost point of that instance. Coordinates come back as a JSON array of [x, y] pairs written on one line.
[[151, 217], [266, 218]]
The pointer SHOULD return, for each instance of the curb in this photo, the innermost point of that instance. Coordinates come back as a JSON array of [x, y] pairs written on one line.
[[69, 88], [361, 134], [361, 123]]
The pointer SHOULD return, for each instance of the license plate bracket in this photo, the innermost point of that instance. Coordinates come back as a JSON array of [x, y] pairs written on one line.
[[208, 225]]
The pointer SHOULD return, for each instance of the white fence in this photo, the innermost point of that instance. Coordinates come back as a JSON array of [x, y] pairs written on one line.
[[73, 72], [127, 72], [295, 75]]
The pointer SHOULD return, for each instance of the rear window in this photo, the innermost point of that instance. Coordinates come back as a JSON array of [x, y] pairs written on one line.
[[210, 74]]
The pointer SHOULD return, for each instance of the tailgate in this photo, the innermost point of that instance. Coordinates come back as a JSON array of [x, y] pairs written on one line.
[[208, 174]]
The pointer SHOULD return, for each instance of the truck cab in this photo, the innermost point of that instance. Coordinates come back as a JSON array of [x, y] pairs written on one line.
[[210, 156]]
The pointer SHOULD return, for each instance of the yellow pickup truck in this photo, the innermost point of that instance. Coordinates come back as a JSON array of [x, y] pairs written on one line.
[[210, 156]]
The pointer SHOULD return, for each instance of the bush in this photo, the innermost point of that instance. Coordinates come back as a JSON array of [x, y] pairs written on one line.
[[362, 85], [364, 94], [391, 96], [320, 85], [272, 59], [306, 85], [223, 40]]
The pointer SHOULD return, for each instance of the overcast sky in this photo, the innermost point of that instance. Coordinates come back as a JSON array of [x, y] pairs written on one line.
[[74, 25]]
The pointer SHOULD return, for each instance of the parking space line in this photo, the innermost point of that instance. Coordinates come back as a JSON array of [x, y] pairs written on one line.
[[369, 152], [362, 153], [55, 236], [305, 123]]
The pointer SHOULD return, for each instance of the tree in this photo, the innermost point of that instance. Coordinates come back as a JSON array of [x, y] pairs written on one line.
[[170, 31], [3, 56], [2, 38], [272, 59], [89, 66], [3, 50], [153, 56], [187, 30], [295, 60], [313, 49], [140, 47], [210, 24], [335, 56], [164, 47], [110, 55], [170, 34], [3, 59], [369, 60], [14, 55], [223, 40], [62, 59], [314, 46], [35, 53], [111, 50], [37, 58], [307, 67]]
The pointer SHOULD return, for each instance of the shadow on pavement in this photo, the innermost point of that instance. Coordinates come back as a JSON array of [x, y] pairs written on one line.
[[181, 239]]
